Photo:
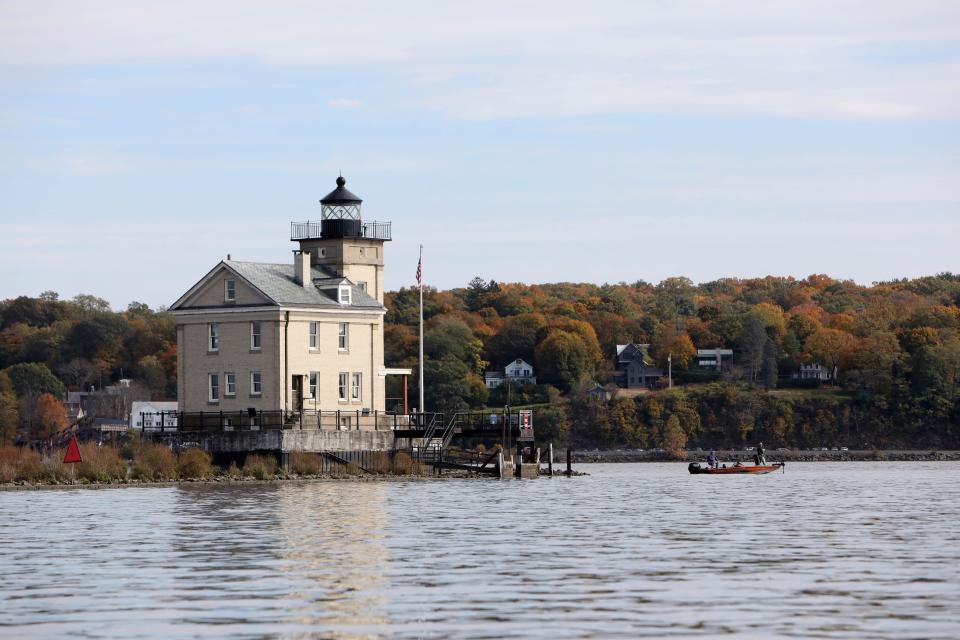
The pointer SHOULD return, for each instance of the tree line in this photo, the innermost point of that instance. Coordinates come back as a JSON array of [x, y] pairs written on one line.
[[895, 347], [49, 346]]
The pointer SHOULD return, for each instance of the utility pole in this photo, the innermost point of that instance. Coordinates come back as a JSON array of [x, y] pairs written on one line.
[[670, 370]]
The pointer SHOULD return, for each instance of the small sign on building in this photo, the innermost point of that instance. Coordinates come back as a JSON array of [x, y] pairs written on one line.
[[526, 425]]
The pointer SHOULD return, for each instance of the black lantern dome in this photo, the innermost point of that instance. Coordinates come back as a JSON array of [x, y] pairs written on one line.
[[340, 211]]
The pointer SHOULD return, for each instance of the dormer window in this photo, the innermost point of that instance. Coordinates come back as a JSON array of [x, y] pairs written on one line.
[[344, 294], [229, 290]]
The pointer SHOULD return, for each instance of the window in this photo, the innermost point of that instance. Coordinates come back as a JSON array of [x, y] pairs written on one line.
[[314, 329], [213, 332], [230, 379], [343, 337], [229, 290], [344, 294], [355, 390], [256, 383], [314, 384], [342, 387], [363, 286], [255, 335], [214, 384]]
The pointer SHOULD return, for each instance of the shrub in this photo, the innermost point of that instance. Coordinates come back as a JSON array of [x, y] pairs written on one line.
[[100, 464], [260, 467], [233, 470], [305, 464], [195, 463], [154, 462]]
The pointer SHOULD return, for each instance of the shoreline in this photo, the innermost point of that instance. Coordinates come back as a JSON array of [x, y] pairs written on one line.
[[796, 455], [219, 480]]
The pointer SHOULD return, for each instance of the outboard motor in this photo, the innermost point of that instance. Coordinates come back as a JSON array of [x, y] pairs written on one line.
[[693, 467]]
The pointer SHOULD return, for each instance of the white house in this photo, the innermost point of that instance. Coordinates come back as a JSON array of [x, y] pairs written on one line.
[[518, 372], [148, 415], [713, 359], [815, 371]]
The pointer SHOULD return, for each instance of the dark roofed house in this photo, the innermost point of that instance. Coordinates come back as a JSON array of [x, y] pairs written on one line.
[[635, 368]]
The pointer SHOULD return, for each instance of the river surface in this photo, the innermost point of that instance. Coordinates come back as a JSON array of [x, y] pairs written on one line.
[[826, 550]]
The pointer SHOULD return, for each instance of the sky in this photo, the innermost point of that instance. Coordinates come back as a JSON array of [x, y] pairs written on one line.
[[140, 143]]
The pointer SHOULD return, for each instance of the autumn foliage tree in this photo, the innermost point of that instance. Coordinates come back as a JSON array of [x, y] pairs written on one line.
[[49, 417]]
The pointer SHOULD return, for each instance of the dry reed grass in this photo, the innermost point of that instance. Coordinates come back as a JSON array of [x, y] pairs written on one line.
[[154, 462], [195, 463], [260, 467]]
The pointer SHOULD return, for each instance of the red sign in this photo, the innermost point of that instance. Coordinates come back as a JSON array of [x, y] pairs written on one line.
[[73, 452]]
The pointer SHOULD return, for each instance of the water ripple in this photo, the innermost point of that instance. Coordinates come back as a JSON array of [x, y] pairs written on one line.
[[830, 550]]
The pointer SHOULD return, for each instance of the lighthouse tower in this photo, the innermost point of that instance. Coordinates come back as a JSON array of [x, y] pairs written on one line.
[[342, 242]]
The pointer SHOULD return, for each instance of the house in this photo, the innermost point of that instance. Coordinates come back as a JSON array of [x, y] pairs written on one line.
[[517, 372], [634, 367], [815, 371], [153, 415], [306, 335], [599, 392], [713, 359]]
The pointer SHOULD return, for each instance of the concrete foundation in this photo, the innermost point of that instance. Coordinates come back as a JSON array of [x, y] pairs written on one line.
[[287, 441]]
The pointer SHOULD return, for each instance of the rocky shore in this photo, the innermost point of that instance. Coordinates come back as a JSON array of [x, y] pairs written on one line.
[[796, 455]]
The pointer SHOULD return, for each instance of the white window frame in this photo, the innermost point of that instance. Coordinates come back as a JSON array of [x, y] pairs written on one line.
[[256, 337], [229, 384], [213, 387], [356, 387], [343, 336], [229, 290], [343, 382], [313, 384], [314, 340], [344, 295], [256, 383], [213, 336]]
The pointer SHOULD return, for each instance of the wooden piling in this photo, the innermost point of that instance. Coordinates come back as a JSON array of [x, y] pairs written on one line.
[[550, 460], [569, 463]]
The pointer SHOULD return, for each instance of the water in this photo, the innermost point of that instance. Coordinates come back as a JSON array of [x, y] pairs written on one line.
[[826, 550]]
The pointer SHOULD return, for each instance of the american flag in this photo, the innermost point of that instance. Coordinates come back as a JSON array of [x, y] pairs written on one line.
[[419, 271]]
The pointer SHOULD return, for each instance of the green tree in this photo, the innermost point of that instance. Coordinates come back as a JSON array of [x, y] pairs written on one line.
[[451, 387], [451, 337], [517, 338], [562, 358], [9, 413], [33, 379]]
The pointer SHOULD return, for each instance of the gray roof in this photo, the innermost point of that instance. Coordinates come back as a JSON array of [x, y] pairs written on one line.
[[277, 283]]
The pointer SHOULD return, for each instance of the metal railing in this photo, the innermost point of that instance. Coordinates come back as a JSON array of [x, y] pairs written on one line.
[[257, 420], [311, 230]]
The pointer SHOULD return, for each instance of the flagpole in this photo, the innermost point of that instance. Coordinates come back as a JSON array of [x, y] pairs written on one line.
[[420, 285]]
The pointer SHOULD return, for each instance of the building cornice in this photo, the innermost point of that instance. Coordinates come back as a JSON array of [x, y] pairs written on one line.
[[202, 311]]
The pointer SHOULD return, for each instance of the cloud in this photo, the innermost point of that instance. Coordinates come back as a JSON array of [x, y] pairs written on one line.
[[518, 59]]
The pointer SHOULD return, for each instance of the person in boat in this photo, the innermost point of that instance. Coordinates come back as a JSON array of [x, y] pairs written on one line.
[[712, 460], [759, 457]]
